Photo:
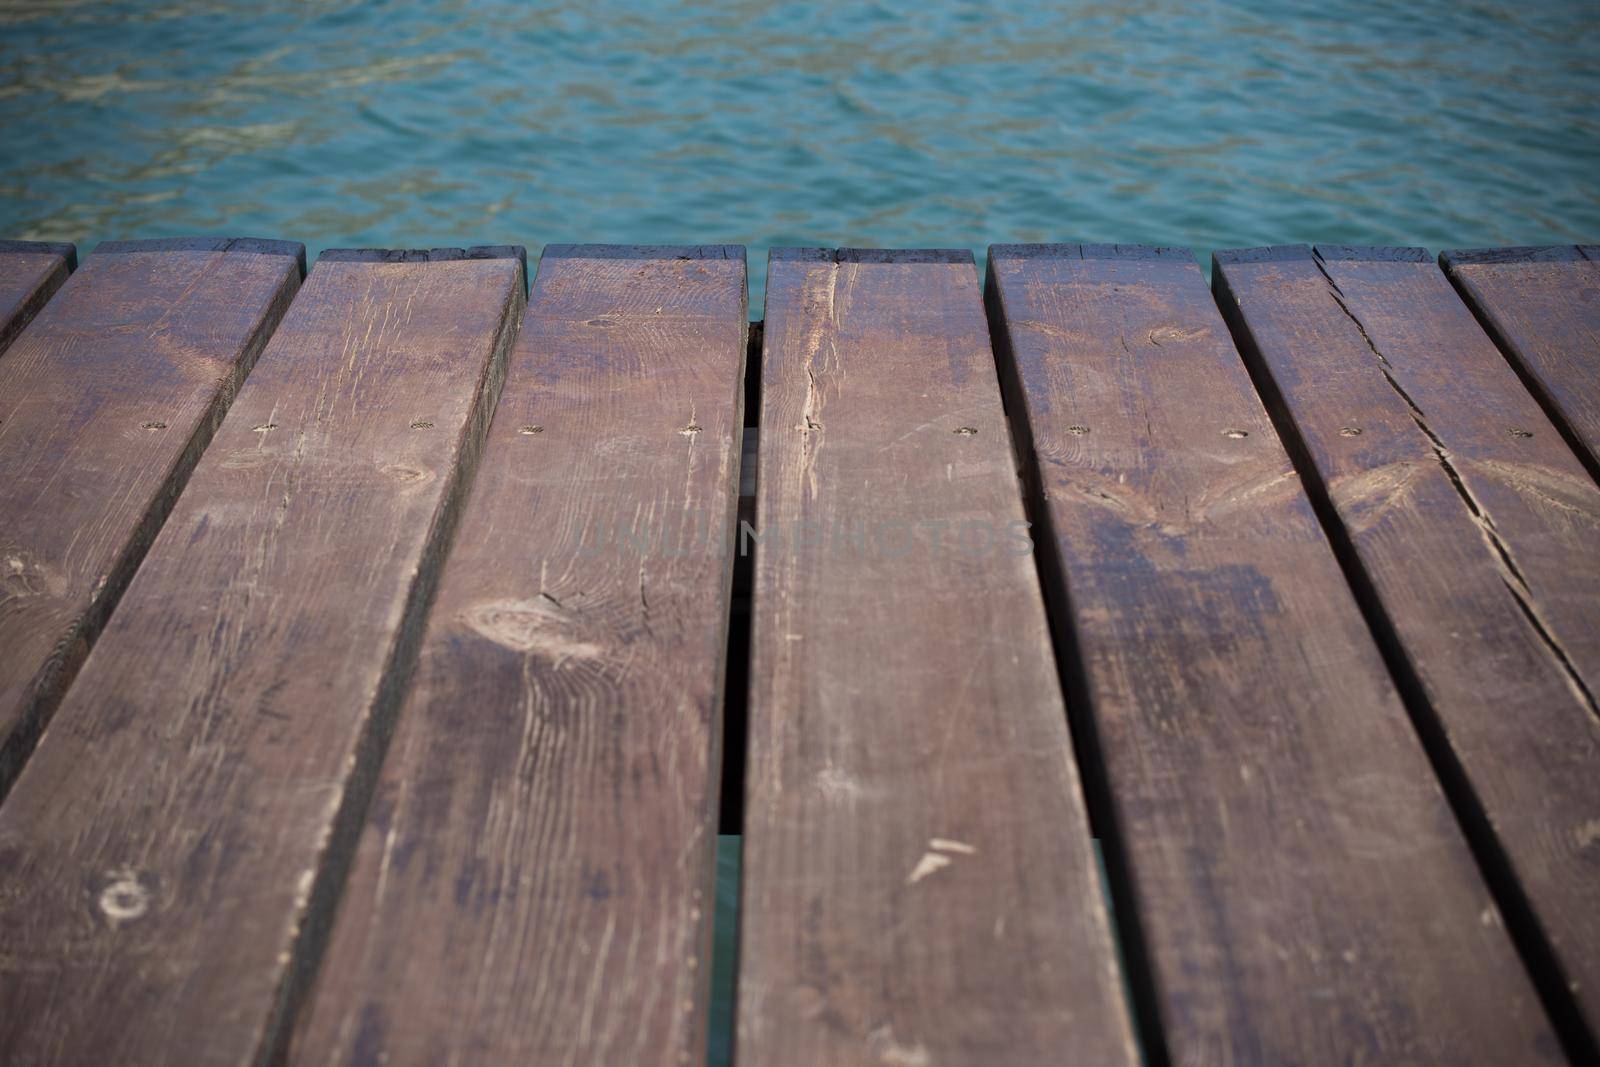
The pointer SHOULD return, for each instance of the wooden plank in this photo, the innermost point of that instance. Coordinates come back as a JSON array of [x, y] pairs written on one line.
[[1478, 418], [919, 886], [30, 273], [550, 798], [1301, 889], [106, 402], [1543, 307], [175, 845], [1480, 544]]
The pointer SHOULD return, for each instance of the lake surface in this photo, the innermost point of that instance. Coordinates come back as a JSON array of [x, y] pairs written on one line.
[[1444, 123]]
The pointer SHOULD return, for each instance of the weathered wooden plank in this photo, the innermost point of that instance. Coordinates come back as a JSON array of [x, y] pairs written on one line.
[[174, 846], [30, 273], [534, 884], [919, 886], [1467, 513], [1476, 416], [106, 402], [1301, 889], [1543, 307]]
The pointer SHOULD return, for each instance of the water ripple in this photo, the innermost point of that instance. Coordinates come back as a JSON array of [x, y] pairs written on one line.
[[1210, 125]]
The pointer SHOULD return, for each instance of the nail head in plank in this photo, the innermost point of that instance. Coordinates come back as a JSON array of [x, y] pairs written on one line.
[[30, 273], [1542, 305], [177, 839], [1459, 527], [1278, 822], [918, 880], [548, 803], [106, 402]]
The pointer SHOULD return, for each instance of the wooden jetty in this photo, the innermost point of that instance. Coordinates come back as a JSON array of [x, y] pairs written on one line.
[[1101, 667]]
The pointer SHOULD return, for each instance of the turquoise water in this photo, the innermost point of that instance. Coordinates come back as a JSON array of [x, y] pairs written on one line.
[[900, 122], [724, 951]]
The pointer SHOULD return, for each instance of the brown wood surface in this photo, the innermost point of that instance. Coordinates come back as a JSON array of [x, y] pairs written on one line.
[[534, 883], [1543, 307], [1465, 531], [30, 273], [918, 886], [1529, 488], [106, 402], [174, 846], [1302, 891]]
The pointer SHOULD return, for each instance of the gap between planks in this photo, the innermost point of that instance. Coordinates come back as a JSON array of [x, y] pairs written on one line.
[[1556, 987]]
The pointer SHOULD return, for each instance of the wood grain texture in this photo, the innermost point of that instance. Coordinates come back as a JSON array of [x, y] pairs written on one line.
[[232, 715], [534, 883], [919, 886], [1403, 406], [1497, 441], [1302, 891], [1543, 307], [30, 273], [106, 402]]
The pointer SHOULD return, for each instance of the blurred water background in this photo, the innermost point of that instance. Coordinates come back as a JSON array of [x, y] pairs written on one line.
[[1444, 123], [899, 123]]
